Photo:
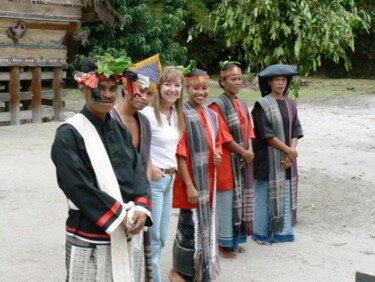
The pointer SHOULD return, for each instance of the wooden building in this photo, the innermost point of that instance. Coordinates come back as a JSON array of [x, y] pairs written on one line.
[[36, 43]]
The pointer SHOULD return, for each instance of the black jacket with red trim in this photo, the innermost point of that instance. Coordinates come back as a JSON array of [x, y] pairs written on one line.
[[97, 213]]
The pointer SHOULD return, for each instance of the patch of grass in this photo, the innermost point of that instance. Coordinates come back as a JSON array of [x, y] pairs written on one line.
[[323, 88], [311, 88], [73, 92]]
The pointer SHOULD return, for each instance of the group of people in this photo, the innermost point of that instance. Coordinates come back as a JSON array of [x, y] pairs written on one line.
[[231, 173]]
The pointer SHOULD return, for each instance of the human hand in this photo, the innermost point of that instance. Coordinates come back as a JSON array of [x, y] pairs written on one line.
[[292, 154], [139, 219], [248, 156], [217, 159], [192, 194], [286, 163], [156, 173]]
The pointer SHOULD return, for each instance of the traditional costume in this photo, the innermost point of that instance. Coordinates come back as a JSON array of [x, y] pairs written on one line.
[[234, 182], [144, 256], [101, 174], [195, 244], [275, 199]]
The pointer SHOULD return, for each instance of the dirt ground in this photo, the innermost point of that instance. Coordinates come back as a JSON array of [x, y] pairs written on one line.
[[335, 233]]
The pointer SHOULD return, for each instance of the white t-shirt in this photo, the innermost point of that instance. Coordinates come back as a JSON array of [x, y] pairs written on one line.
[[164, 139]]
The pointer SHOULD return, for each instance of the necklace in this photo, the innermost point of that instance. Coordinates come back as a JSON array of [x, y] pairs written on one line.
[[169, 119], [168, 116]]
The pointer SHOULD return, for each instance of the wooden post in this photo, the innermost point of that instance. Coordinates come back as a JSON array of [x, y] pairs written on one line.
[[14, 91], [57, 96], [36, 89]]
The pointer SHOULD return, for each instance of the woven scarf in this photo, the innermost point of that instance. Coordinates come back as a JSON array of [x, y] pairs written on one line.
[[294, 174], [248, 181], [199, 150], [242, 191], [276, 174]]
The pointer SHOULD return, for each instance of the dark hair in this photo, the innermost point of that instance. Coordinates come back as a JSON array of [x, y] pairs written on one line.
[[196, 72], [230, 66], [89, 64]]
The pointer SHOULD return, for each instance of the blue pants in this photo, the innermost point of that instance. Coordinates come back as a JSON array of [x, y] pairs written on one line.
[[161, 196]]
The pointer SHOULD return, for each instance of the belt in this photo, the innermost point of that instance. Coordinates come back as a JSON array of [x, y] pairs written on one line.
[[168, 170]]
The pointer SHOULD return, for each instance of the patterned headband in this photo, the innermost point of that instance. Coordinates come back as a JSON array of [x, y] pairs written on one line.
[[197, 80], [229, 72]]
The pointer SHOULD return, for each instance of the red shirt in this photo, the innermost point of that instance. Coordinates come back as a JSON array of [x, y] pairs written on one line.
[[225, 176], [180, 199]]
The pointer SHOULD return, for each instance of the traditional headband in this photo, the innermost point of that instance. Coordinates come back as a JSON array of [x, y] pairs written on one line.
[[91, 79], [197, 80], [229, 72], [103, 68]]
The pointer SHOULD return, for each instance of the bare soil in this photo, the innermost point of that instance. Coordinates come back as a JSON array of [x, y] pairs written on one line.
[[335, 233]]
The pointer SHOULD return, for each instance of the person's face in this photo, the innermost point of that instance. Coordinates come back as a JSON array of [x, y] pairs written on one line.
[[101, 105], [141, 99], [232, 84], [198, 94], [278, 84], [170, 92]]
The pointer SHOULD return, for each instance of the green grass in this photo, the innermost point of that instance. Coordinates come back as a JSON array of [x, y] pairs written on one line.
[[311, 88]]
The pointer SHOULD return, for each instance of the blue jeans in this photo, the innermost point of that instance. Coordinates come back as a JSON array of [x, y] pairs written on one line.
[[161, 195]]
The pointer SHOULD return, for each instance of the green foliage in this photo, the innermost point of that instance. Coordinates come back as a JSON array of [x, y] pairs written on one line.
[[150, 27], [287, 31], [108, 65], [186, 70]]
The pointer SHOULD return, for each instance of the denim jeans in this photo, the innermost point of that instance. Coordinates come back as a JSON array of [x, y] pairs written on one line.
[[161, 195]]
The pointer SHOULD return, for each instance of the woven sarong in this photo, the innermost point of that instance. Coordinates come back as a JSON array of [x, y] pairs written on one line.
[[87, 262]]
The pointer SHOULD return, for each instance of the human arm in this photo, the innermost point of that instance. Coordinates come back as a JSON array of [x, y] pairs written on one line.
[[246, 154], [227, 138], [77, 179], [149, 169], [191, 191]]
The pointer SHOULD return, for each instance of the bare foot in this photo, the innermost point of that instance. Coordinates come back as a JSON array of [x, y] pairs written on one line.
[[241, 250], [227, 253], [264, 243], [174, 276]]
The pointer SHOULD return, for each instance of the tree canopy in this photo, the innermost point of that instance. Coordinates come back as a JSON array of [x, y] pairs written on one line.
[[255, 32], [288, 31]]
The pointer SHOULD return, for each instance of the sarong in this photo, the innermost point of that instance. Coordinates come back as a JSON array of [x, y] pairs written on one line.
[[226, 236], [87, 262], [183, 246], [262, 221]]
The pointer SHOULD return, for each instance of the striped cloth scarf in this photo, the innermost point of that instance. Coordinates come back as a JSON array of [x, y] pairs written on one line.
[[243, 188], [198, 147], [276, 174]]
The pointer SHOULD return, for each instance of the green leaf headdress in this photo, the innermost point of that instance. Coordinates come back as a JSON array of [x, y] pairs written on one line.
[[186, 70], [104, 67]]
